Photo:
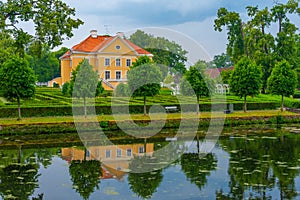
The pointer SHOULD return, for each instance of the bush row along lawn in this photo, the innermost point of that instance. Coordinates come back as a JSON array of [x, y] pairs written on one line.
[[155, 116], [53, 97]]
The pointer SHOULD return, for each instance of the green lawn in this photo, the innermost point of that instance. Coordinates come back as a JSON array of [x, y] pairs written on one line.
[[53, 97]]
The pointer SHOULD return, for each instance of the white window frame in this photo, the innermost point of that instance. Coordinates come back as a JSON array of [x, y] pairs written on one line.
[[118, 62], [105, 75], [120, 75], [106, 62], [118, 153], [107, 153], [141, 148], [130, 62], [129, 152]]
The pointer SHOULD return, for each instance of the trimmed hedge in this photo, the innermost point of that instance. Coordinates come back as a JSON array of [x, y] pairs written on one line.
[[133, 109]]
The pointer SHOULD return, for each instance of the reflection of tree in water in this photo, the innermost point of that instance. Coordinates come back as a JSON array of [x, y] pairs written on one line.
[[257, 164], [85, 176], [18, 181], [197, 168], [145, 184]]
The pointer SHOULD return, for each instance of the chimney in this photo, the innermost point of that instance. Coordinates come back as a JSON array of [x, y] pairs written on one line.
[[121, 34], [93, 33]]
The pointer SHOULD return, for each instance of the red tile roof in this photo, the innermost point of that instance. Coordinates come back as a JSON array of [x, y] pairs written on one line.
[[91, 44], [215, 72]]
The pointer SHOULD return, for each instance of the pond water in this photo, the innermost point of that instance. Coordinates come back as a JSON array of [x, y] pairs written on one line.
[[256, 166]]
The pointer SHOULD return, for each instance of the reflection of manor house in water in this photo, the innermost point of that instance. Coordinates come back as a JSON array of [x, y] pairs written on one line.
[[115, 159]]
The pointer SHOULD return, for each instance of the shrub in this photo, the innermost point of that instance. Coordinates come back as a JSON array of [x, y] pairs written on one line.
[[55, 85], [65, 89], [122, 90]]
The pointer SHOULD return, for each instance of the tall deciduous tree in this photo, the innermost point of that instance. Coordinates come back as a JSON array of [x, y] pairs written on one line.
[[84, 82], [282, 81], [17, 80], [144, 79], [164, 52], [246, 79], [196, 82], [53, 21]]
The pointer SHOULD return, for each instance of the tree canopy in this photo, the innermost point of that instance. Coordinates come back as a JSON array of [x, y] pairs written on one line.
[[246, 79], [52, 19], [165, 52], [282, 81], [196, 82], [144, 79], [17, 80], [84, 82], [256, 39]]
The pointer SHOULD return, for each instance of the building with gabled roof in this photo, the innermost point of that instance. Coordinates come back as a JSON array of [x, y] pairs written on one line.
[[111, 57]]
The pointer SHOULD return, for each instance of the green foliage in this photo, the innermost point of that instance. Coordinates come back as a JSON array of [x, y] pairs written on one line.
[[225, 75], [52, 20], [7, 49], [199, 81], [99, 89], [55, 85], [220, 61], [164, 52], [17, 80], [283, 80], [122, 90], [144, 79], [45, 63], [65, 88], [85, 176], [169, 79], [245, 79], [84, 81]]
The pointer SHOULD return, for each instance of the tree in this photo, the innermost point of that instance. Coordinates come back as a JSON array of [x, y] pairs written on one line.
[[44, 62], [225, 75], [196, 168], [196, 82], [220, 61], [85, 176], [65, 88], [254, 38], [282, 81], [84, 82], [52, 20], [144, 79], [164, 52], [122, 90], [17, 80], [6, 43], [245, 80]]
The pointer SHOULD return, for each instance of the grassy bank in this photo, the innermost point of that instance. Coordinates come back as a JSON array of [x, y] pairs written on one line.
[[47, 125]]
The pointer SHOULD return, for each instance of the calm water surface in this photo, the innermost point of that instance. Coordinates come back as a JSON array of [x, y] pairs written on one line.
[[239, 167]]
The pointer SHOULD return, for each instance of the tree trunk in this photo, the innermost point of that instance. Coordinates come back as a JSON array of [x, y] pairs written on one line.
[[145, 109], [282, 103], [245, 103], [84, 104], [197, 105], [145, 146], [198, 145], [19, 109]]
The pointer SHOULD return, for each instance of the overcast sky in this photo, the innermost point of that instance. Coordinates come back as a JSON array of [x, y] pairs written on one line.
[[192, 19]]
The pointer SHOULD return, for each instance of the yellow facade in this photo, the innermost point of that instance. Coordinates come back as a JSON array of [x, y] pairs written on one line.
[[111, 60]]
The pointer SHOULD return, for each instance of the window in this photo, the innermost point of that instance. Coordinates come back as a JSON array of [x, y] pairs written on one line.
[[107, 75], [107, 62], [128, 62], [107, 153], [118, 47], [118, 62], [118, 75], [71, 63], [141, 149], [119, 153], [87, 153], [128, 152]]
